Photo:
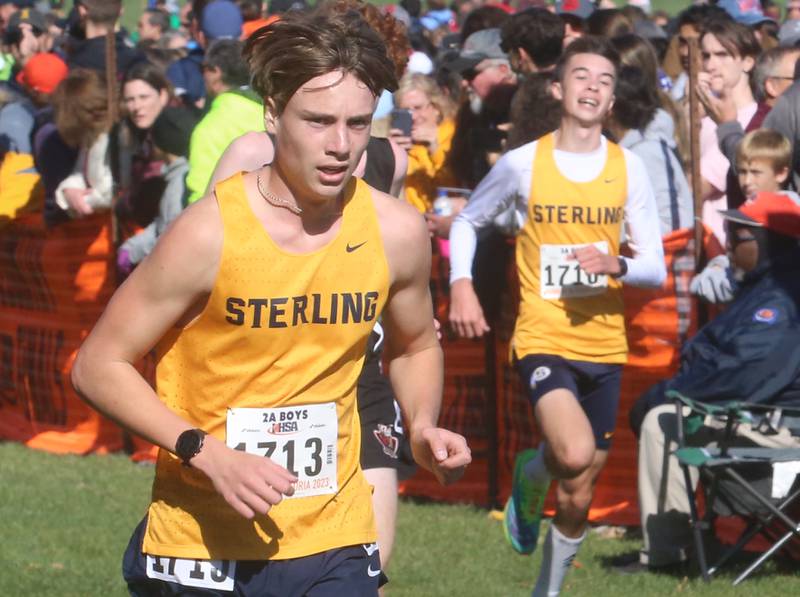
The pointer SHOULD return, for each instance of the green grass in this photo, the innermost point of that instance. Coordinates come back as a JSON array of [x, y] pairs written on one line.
[[67, 520]]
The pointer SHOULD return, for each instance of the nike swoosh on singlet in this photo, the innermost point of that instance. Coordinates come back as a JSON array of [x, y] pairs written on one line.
[[371, 572], [350, 248]]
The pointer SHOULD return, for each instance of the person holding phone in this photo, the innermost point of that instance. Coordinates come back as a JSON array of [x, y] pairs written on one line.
[[423, 125]]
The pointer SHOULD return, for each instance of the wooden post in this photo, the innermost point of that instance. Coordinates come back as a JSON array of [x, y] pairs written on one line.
[[113, 105], [694, 140], [113, 113]]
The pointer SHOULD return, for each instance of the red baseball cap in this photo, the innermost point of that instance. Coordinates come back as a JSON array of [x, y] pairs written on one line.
[[777, 212], [43, 72]]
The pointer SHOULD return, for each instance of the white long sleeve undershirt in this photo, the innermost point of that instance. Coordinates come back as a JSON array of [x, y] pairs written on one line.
[[508, 183]]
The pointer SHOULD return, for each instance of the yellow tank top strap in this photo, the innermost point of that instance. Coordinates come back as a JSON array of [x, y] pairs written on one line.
[[234, 207]]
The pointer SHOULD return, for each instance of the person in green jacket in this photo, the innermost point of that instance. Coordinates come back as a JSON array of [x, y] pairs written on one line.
[[233, 111]]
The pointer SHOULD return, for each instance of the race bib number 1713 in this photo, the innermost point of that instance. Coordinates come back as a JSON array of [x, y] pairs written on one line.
[[300, 438]]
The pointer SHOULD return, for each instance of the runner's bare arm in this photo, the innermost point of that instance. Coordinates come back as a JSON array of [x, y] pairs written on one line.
[[498, 190], [166, 290], [416, 361]]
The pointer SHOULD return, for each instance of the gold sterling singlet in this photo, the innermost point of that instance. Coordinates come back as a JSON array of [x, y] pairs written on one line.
[[271, 366], [563, 311]]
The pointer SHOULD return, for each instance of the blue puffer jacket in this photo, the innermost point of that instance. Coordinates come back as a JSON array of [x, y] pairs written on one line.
[[748, 353]]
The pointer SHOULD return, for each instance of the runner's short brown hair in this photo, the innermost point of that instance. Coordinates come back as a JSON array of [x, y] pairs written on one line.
[[588, 44], [286, 54]]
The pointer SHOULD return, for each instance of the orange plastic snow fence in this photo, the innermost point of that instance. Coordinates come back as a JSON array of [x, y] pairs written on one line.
[[500, 425], [53, 286], [55, 283]]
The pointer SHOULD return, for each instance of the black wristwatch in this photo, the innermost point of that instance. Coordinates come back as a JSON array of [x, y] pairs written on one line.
[[189, 444], [623, 267]]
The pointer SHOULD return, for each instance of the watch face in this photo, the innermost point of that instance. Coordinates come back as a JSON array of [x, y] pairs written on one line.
[[188, 444]]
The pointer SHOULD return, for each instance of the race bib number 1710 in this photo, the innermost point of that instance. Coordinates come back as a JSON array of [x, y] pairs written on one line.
[[561, 275], [300, 438]]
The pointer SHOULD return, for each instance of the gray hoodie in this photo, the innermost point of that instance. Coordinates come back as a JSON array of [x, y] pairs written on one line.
[[169, 208], [656, 146]]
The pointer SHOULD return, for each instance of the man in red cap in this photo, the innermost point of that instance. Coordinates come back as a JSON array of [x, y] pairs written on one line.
[[38, 79], [749, 353], [42, 74]]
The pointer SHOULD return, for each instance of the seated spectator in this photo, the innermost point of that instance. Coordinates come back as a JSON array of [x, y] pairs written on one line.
[[152, 25], [749, 353], [82, 119], [170, 133], [235, 109], [429, 143]]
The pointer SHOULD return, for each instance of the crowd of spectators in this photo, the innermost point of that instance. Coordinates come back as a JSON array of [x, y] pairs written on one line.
[[474, 77], [475, 81]]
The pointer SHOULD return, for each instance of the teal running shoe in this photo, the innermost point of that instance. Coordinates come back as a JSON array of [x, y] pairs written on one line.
[[523, 511]]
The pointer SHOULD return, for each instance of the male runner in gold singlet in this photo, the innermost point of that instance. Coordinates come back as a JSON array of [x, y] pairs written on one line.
[[260, 299], [576, 191]]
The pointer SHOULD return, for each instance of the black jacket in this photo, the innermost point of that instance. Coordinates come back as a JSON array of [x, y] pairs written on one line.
[[748, 353], [91, 53]]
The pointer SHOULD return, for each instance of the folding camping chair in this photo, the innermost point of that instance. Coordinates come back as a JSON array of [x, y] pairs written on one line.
[[738, 481]]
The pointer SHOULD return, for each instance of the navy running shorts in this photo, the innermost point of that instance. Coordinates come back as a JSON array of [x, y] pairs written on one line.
[[353, 571], [595, 385], [383, 441]]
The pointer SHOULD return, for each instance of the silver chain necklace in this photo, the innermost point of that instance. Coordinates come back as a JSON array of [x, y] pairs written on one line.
[[276, 201]]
